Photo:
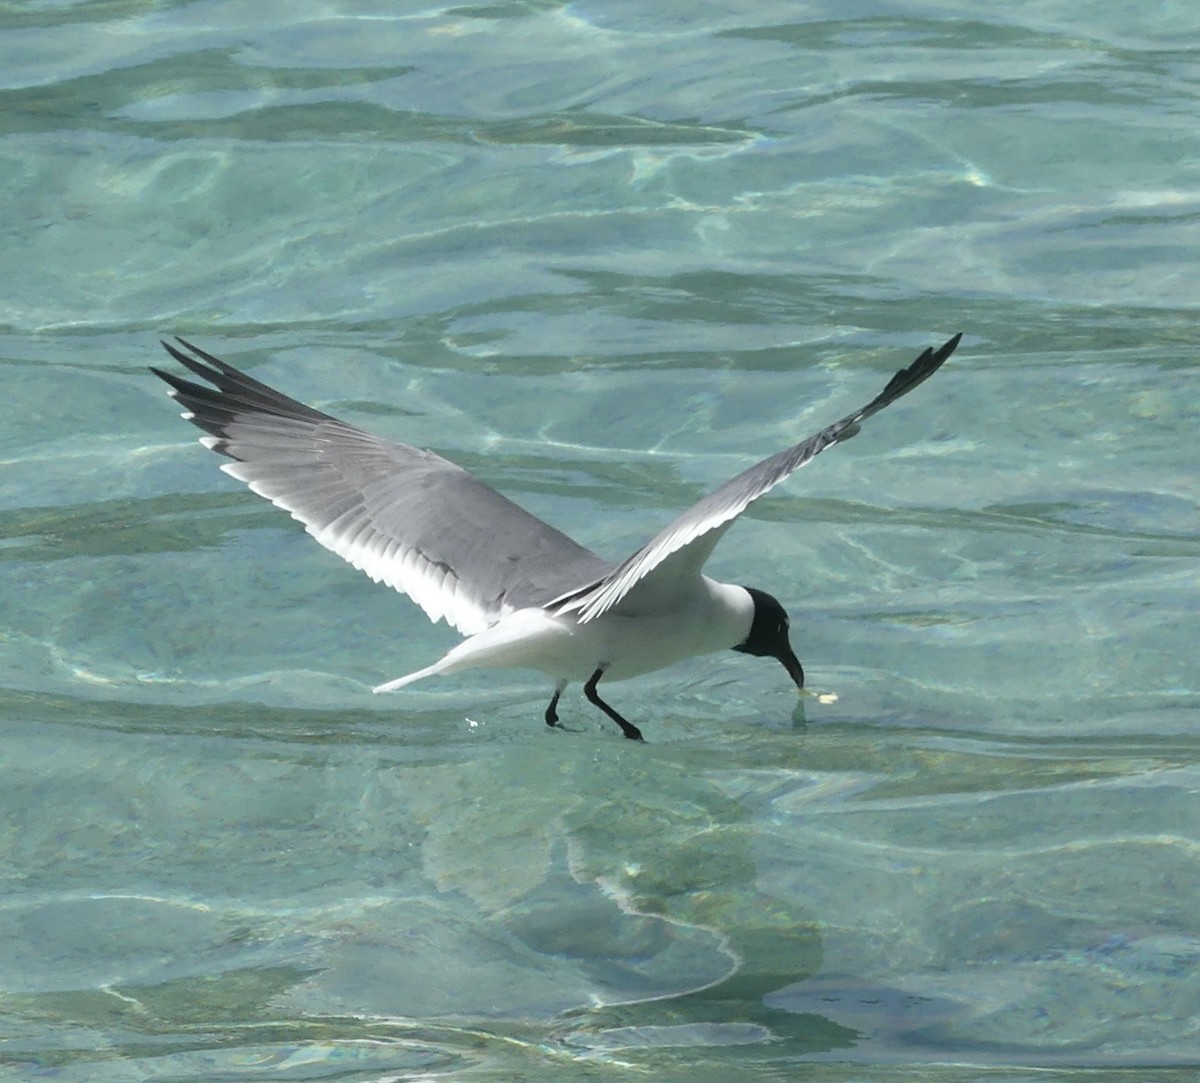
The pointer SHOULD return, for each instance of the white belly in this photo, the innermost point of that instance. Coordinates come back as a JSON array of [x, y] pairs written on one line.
[[715, 617]]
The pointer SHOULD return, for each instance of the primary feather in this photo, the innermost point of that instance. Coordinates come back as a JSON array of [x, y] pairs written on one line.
[[406, 517]]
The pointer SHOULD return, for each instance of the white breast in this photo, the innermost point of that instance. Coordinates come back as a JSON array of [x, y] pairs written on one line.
[[715, 617]]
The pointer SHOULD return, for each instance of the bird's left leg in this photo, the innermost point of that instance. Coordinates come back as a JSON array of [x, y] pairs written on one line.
[[552, 709], [628, 728]]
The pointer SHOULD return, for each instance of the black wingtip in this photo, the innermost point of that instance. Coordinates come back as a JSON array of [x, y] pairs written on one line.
[[231, 391], [918, 372], [196, 362], [171, 350], [204, 355]]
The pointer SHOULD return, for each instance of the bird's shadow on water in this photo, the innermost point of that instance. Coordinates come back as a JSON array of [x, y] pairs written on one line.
[[664, 835], [608, 870]]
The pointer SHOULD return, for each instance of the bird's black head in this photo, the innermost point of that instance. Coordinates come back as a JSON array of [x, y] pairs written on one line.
[[768, 636]]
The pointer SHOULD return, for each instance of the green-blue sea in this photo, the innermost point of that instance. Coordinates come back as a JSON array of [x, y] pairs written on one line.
[[606, 254]]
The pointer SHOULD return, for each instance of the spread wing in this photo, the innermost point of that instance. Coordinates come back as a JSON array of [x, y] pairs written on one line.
[[672, 559], [406, 517]]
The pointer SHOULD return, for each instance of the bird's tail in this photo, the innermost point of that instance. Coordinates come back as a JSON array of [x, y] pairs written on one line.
[[520, 639], [409, 678]]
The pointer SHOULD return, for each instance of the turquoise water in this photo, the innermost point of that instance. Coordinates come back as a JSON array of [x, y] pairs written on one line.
[[605, 255]]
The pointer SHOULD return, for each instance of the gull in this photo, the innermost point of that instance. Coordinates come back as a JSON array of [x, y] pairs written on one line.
[[522, 593]]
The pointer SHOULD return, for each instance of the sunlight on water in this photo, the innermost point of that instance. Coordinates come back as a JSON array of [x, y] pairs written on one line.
[[606, 256]]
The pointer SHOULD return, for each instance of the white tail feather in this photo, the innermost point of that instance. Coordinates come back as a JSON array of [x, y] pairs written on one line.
[[400, 682]]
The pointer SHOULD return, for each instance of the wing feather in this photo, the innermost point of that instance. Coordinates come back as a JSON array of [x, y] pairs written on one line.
[[676, 554], [406, 517]]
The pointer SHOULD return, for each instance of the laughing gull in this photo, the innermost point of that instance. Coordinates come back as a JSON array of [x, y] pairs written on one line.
[[524, 594]]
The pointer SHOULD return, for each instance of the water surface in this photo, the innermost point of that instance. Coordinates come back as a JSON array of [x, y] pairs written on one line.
[[606, 255]]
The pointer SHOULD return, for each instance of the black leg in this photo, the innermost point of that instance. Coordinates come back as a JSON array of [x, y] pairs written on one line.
[[552, 709], [628, 728]]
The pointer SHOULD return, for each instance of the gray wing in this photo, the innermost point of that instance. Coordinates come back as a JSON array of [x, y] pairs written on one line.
[[672, 559], [406, 517]]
